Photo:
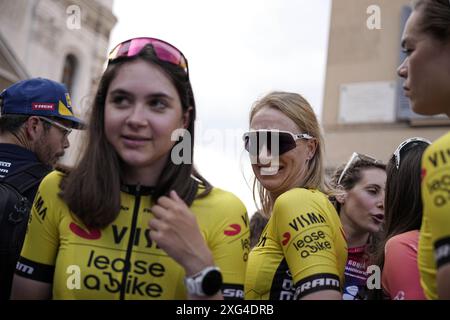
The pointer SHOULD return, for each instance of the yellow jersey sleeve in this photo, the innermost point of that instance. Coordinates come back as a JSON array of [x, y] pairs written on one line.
[[310, 237], [226, 231], [434, 242], [301, 250], [41, 242]]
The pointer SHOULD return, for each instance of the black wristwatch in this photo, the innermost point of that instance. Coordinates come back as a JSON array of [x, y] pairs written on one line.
[[205, 283]]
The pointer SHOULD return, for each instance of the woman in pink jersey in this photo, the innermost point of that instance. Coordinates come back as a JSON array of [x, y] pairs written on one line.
[[359, 200]]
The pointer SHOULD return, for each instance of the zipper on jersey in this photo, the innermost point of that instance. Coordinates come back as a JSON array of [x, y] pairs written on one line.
[[127, 268]]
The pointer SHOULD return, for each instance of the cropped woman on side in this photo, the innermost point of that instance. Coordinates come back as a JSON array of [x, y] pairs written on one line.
[[426, 70]]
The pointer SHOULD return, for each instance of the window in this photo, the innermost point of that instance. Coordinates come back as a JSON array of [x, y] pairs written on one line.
[[69, 72]]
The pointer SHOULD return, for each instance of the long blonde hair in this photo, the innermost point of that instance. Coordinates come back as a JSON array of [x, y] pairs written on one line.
[[297, 108]]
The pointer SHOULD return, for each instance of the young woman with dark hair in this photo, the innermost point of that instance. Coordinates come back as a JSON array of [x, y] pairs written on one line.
[[134, 219], [359, 200]]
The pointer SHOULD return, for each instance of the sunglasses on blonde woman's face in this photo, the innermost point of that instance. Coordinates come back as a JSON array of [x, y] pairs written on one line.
[[283, 140], [163, 50], [353, 159], [406, 145]]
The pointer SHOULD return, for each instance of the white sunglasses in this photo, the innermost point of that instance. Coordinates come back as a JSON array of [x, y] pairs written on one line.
[[283, 140], [355, 157], [402, 145]]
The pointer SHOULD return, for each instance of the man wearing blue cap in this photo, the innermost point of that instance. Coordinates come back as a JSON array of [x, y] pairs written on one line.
[[36, 119]]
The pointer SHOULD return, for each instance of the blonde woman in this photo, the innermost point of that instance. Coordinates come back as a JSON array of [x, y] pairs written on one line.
[[301, 253]]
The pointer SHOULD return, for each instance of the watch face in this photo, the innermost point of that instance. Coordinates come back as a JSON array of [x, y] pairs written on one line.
[[212, 282]]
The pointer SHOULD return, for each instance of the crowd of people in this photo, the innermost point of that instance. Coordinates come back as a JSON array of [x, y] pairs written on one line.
[[130, 221]]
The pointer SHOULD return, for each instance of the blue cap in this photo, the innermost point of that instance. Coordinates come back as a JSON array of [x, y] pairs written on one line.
[[39, 97]]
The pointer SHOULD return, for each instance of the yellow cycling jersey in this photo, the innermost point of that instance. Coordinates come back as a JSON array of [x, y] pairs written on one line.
[[121, 261], [301, 250], [434, 240]]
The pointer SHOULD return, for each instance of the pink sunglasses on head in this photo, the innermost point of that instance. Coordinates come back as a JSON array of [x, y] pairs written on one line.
[[163, 50]]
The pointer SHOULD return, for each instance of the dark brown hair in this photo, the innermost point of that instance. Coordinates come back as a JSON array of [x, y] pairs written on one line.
[[92, 189], [403, 202], [436, 18], [12, 123], [257, 224]]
